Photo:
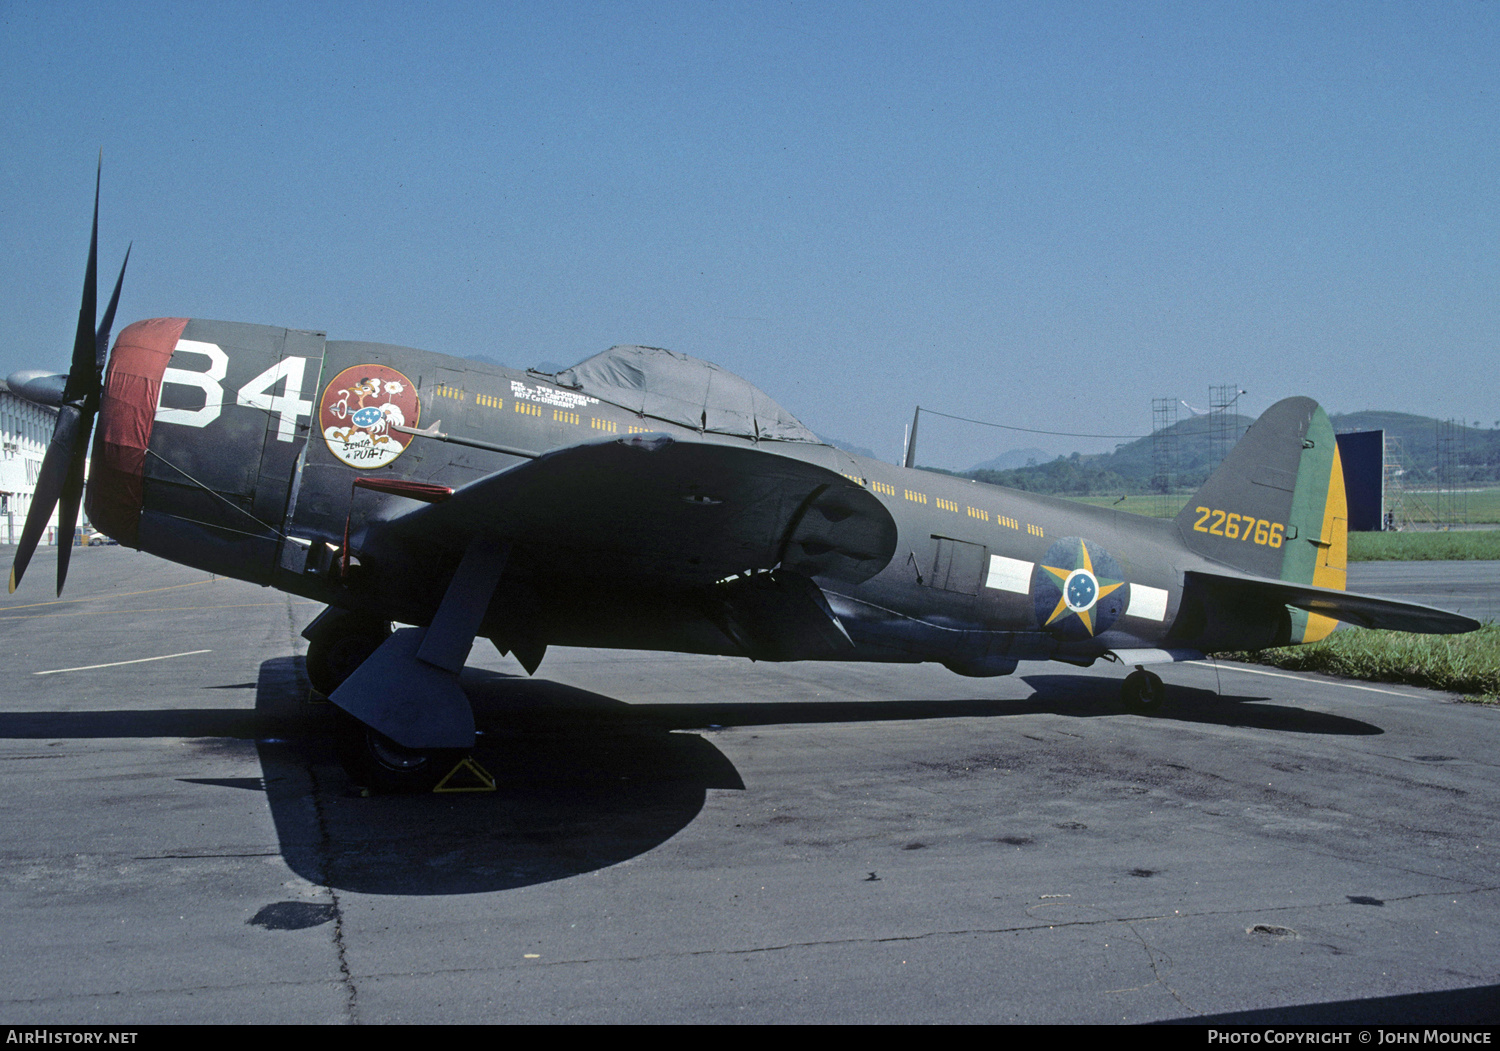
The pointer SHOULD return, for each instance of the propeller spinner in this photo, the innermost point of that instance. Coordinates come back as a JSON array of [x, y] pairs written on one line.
[[62, 475]]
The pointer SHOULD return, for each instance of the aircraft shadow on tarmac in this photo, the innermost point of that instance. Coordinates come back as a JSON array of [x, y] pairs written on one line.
[[1085, 695], [574, 794], [584, 781], [1479, 1005]]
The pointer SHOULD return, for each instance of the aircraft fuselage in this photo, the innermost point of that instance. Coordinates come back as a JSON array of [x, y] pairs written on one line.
[[258, 436]]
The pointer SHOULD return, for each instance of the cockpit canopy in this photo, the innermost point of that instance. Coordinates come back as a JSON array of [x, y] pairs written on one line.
[[665, 385]]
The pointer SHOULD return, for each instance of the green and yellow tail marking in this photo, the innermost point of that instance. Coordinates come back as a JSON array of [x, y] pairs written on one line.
[[1320, 514]]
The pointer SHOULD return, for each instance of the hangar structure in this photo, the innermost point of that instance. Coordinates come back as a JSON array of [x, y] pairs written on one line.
[[25, 431]]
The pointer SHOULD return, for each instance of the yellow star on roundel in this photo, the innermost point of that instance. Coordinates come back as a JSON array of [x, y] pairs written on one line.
[[1081, 589]]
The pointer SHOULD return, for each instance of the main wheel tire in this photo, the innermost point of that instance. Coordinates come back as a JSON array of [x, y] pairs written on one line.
[[1143, 691], [373, 760], [333, 658]]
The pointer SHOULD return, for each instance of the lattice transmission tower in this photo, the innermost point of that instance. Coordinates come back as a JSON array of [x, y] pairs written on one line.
[[1223, 431], [1163, 453], [1452, 498]]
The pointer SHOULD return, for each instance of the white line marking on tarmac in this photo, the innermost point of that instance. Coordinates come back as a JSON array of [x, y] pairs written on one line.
[[1298, 678], [116, 664]]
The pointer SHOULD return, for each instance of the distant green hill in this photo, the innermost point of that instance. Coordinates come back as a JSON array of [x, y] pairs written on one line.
[[1130, 468], [1476, 450]]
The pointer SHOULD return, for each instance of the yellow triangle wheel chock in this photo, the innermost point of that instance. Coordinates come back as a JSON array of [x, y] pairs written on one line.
[[466, 776]]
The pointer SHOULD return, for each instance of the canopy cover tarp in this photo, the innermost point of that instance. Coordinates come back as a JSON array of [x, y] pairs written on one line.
[[665, 385]]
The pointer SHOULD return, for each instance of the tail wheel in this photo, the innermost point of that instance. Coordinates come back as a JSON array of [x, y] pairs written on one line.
[[1143, 691]]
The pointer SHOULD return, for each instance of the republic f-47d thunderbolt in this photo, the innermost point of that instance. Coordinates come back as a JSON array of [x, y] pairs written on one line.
[[643, 499]]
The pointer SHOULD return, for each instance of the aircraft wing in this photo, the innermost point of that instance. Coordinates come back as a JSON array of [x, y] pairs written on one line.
[[651, 507], [1367, 611]]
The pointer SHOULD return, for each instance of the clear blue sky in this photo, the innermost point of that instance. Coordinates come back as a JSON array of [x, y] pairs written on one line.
[[1042, 214]]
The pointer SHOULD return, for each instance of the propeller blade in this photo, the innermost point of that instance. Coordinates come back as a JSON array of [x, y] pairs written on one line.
[[64, 467], [72, 496], [83, 375], [72, 490], [49, 486], [101, 338]]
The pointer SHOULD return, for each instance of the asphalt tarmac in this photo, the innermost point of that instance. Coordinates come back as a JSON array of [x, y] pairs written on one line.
[[690, 839], [1471, 588]]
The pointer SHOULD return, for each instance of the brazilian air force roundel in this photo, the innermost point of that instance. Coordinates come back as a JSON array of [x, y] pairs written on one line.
[[360, 410], [1077, 589]]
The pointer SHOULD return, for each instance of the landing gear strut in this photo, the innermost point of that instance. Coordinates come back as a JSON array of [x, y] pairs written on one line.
[[1142, 691], [416, 724]]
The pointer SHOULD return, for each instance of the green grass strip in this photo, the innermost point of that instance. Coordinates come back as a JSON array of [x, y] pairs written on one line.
[[1468, 664], [1421, 547]]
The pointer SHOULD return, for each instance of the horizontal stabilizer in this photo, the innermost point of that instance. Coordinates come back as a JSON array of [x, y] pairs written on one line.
[[1367, 611]]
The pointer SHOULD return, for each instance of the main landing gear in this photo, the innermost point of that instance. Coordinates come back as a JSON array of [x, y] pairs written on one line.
[[1142, 691], [374, 761], [415, 727], [339, 642]]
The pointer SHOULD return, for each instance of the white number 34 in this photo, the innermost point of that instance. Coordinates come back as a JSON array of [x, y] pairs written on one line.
[[259, 393]]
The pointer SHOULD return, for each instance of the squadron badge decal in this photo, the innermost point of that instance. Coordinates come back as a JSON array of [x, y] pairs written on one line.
[[360, 410]]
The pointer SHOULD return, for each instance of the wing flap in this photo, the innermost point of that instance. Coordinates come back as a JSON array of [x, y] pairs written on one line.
[[1152, 655]]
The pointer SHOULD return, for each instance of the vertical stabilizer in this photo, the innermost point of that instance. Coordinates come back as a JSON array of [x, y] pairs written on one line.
[[1276, 506]]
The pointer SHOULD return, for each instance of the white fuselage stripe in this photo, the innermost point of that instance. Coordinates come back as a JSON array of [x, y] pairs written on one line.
[[1009, 574], [1147, 603]]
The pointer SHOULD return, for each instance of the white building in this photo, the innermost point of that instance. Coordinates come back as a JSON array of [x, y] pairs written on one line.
[[25, 431]]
